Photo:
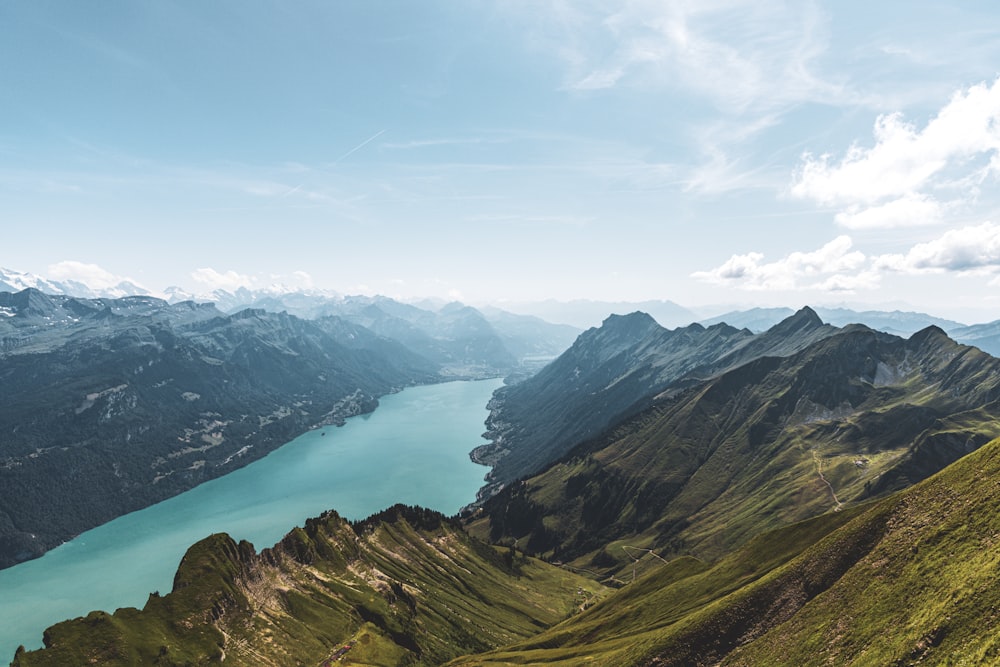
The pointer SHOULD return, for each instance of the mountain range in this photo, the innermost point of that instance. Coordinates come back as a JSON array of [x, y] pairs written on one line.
[[614, 371], [698, 467], [807, 494], [112, 404], [984, 336], [907, 579], [573, 316]]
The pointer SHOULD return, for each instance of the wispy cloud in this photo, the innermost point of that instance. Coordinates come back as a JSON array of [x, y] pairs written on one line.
[[736, 53], [432, 143], [533, 219], [359, 146], [740, 66]]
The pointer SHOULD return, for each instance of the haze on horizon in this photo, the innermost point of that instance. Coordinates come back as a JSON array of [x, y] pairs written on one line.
[[720, 152]]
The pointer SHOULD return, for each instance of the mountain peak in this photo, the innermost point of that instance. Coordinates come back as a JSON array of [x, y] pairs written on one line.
[[929, 333], [805, 319], [30, 302], [631, 321]]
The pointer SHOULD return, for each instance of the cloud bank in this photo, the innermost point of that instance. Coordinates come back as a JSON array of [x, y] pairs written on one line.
[[836, 267]]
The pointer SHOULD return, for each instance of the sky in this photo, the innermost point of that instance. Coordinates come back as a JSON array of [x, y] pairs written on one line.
[[715, 153]]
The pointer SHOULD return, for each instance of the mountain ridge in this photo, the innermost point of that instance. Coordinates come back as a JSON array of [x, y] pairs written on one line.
[[855, 414], [111, 405], [613, 371], [903, 580], [749, 502], [404, 586]]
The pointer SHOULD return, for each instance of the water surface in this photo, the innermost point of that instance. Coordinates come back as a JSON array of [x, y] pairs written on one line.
[[413, 449]]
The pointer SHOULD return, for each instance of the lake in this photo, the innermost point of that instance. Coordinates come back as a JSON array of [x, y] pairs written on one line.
[[413, 449]]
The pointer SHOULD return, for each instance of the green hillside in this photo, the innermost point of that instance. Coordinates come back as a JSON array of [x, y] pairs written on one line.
[[406, 587], [909, 579]]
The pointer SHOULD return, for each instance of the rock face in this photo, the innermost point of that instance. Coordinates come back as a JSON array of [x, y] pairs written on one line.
[[114, 404], [405, 587]]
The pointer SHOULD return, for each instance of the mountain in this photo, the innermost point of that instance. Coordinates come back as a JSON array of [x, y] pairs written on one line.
[[585, 313], [895, 322], [463, 340], [406, 586], [984, 336], [457, 337], [805, 496], [614, 371], [909, 579], [15, 281], [532, 340], [111, 405], [754, 319], [854, 415]]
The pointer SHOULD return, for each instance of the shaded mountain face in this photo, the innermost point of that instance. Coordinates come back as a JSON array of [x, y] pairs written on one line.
[[909, 579], [464, 341], [984, 336], [613, 372], [112, 405], [779, 439], [406, 587]]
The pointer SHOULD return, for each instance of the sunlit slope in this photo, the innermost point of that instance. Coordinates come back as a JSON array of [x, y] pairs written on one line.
[[405, 587], [911, 578], [776, 440]]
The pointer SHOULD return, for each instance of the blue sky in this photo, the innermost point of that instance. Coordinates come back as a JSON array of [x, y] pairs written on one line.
[[728, 153]]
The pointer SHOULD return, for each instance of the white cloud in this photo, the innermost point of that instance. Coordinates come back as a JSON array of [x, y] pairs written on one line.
[[738, 54], [230, 280], [833, 267], [911, 210], [970, 250], [303, 279], [890, 183], [91, 275]]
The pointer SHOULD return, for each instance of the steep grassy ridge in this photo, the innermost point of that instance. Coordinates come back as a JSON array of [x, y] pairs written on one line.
[[404, 587], [908, 579]]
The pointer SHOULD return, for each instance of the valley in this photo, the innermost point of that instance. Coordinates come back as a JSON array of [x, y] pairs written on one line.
[[697, 489], [114, 404]]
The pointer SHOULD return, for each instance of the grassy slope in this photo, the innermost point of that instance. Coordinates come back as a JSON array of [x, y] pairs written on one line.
[[767, 444], [407, 587], [910, 578]]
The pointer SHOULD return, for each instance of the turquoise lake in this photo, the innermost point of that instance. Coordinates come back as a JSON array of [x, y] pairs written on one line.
[[413, 449]]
